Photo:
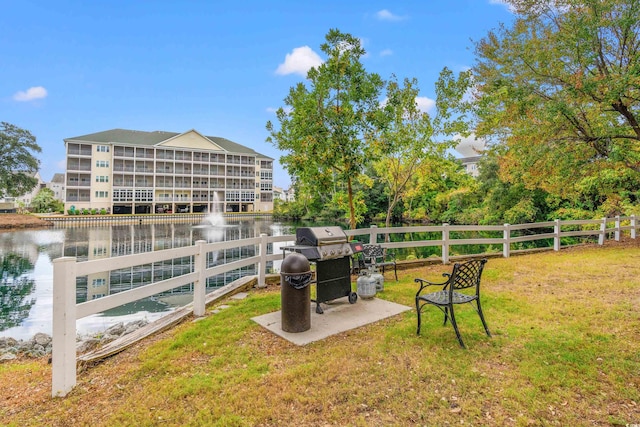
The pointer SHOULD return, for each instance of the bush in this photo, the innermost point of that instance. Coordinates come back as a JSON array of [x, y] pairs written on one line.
[[103, 211]]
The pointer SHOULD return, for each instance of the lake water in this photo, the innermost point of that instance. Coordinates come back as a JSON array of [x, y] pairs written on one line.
[[26, 269]]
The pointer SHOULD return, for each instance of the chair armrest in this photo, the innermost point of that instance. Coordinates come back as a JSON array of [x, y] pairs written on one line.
[[425, 283]]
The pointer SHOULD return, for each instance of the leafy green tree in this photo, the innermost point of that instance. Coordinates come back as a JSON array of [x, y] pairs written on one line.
[[504, 202], [329, 120], [18, 164], [45, 201], [442, 191], [562, 87], [403, 144]]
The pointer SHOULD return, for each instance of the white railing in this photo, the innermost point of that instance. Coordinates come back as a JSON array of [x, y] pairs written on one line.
[[67, 269]]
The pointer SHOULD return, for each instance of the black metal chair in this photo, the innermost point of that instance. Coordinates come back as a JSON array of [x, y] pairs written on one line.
[[464, 276], [377, 256]]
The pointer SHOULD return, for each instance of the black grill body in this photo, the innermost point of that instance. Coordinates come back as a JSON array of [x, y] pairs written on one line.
[[329, 249]]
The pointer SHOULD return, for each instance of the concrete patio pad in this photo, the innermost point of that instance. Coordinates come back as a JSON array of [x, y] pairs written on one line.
[[339, 316]]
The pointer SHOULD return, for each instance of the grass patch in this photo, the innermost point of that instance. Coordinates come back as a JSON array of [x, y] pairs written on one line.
[[564, 352]]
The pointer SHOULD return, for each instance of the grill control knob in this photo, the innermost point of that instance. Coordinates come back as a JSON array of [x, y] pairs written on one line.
[[333, 252], [324, 253]]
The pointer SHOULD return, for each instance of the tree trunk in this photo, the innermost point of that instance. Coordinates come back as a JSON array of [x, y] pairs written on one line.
[[352, 209]]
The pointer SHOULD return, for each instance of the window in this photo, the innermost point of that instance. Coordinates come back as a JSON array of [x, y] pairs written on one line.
[[144, 195], [98, 282], [102, 194], [102, 163], [102, 148], [123, 195], [102, 178]]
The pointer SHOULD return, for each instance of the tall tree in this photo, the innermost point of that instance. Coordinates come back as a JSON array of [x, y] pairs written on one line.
[[561, 88], [18, 164], [328, 120], [404, 143]]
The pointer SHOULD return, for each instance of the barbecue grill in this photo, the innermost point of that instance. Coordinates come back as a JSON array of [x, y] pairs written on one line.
[[329, 249]]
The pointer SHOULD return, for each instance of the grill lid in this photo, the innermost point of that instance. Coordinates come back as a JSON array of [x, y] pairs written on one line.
[[320, 236]]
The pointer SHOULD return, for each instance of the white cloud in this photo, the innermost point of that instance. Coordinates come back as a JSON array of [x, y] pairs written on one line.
[[469, 146], [504, 3], [425, 104], [386, 52], [299, 61], [385, 15], [36, 92]]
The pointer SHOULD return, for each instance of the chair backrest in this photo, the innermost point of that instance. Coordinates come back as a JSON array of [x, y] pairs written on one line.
[[467, 274], [372, 252]]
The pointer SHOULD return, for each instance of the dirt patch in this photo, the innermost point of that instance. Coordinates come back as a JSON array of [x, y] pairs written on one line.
[[11, 222]]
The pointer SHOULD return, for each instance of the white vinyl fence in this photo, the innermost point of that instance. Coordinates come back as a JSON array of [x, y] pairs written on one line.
[[67, 269]]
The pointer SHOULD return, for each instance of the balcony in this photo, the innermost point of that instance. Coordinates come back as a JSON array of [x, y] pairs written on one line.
[[74, 151], [78, 183], [83, 168], [120, 168]]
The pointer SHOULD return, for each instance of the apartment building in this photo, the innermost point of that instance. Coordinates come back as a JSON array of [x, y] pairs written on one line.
[[130, 171], [57, 186]]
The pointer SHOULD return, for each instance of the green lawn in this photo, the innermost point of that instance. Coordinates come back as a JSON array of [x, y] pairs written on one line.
[[564, 352]]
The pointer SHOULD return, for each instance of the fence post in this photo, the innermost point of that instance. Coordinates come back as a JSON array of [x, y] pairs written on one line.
[[63, 352], [603, 231], [445, 243], [262, 266], [556, 237], [373, 235], [617, 229], [506, 246], [200, 286], [633, 226]]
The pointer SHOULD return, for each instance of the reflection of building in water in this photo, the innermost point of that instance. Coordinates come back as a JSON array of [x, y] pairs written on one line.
[[120, 240]]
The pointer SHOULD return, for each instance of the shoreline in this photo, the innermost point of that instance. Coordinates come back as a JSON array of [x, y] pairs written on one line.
[[17, 222]]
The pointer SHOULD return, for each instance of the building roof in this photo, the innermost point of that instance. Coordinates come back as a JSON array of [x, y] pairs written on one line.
[[138, 137], [58, 178]]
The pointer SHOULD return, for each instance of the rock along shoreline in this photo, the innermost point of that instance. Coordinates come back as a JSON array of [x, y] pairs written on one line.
[[40, 344]]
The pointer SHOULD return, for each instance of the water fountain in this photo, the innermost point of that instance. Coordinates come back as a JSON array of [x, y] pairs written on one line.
[[215, 218]]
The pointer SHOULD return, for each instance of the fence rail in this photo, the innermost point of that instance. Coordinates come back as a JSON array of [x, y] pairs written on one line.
[[67, 269]]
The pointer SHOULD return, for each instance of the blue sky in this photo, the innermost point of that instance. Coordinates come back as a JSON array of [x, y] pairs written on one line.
[[69, 68]]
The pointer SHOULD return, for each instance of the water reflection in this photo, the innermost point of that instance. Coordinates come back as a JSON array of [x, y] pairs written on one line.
[[27, 297], [16, 289]]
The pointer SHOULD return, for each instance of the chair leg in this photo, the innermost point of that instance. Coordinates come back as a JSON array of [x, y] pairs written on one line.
[[486, 329], [446, 316], [418, 311], [395, 271], [455, 327]]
